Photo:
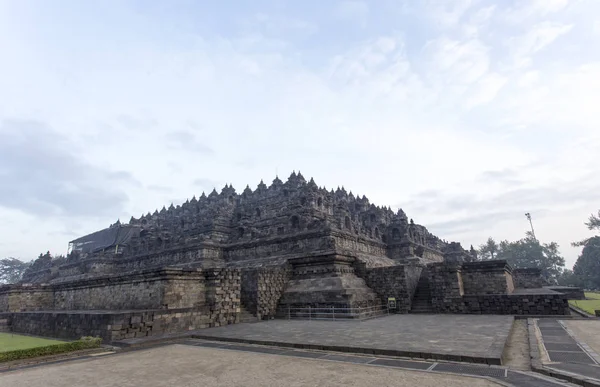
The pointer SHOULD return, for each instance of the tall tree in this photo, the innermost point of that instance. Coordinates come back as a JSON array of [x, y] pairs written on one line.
[[488, 250], [587, 267], [593, 223], [569, 278], [11, 270], [529, 252]]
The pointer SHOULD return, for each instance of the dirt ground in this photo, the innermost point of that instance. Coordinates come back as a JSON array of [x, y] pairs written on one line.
[[183, 366], [516, 352]]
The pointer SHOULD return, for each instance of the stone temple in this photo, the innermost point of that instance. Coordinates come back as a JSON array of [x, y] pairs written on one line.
[[270, 252]]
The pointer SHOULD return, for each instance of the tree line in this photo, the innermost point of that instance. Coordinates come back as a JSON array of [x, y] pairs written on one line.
[[529, 252]]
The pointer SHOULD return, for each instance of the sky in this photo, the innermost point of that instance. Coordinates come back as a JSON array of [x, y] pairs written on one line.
[[466, 114]]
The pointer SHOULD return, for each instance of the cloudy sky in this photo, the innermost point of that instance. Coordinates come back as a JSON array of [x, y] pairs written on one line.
[[466, 114]]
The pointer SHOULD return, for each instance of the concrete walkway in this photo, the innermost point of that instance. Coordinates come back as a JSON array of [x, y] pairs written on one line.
[[184, 365], [565, 353]]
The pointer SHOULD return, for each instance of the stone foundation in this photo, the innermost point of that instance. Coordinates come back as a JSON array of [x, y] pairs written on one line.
[[262, 288], [528, 278], [460, 288], [487, 277], [24, 297], [570, 292], [126, 306], [397, 282], [116, 325], [326, 281]]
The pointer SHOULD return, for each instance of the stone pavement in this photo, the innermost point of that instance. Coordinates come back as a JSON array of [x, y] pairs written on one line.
[[225, 364], [469, 338], [566, 353], [183, 366]]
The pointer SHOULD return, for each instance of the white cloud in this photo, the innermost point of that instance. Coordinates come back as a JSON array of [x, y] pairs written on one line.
[[447, 14], [353, 10], [485, 90], [389, 110], [537, 38]]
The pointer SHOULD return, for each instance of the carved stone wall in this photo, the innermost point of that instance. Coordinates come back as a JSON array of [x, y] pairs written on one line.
[[398, 282], [262, 289], [446, 287], [449, 286], [528, 278], [487, 277], [154, 289], [518, 304], [20, 298], [223, 295], [326, 281], [570, 292], [113, 325]]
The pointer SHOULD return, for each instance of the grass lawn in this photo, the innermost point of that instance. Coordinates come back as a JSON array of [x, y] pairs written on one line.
[[590, 305], [594, 295], [10, 342]]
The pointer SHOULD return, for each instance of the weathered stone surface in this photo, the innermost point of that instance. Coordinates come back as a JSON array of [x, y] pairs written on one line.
[[22, 297], [326, 281], [262, 288], [397, 282], [291, 245], [487, 277], [449, 292], [259, 228], [528, 278], [570, 292]]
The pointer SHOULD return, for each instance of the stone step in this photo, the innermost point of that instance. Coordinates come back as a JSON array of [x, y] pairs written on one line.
[[246, 316], [424, 305], [422, 299]]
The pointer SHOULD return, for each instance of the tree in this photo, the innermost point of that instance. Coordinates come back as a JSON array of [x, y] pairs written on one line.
[[569, 278], [488, 250], [593, 223], [587, 266], [11, 270], [527, 252]]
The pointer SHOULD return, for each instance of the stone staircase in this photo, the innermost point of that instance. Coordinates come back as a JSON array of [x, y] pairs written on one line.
[[246, 316], [4, 327], [421, 302]]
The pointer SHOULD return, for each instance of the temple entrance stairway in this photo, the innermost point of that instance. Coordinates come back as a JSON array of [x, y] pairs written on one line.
[[421, 302]]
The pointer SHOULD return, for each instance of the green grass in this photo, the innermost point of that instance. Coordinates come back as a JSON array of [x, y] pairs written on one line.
[[50, 347], [590, 305], [10, 342], [594, 295]]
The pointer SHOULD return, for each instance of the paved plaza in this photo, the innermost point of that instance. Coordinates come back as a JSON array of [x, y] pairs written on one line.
[[183, 365], [450, 336]]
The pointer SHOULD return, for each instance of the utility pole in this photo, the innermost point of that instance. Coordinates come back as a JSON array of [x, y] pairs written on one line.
[[528, 215]]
